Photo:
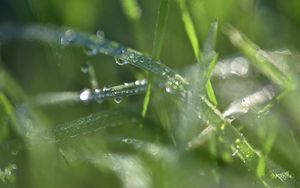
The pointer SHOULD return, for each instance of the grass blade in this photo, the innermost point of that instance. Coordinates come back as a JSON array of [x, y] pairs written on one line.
[[131, 9], [157, 45], [258, 57], [191, 32]]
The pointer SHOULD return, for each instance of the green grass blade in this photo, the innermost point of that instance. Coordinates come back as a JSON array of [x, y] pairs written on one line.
[[85, 125], [258, 57], [160, 28], [157, 45], [8, 120], [91, 95], [131, 9], [240, 147], [191, 32], [210, 42], [190, 29]]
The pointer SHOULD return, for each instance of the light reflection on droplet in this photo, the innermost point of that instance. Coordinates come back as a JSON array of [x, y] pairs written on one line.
[[121, 61], [85, 95], [244, 105]]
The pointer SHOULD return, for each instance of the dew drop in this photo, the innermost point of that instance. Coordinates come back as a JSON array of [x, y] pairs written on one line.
[[68, 37], [168, 90], [141, 59], [137, 82], [100, 34], [120, 51], [118, 100], [234, 153], [90, 51], [85, 68], [85, 95], [131, 55], [106, 88], [121, 61]]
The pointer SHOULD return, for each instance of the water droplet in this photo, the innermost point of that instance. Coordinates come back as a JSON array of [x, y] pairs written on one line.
[[85, 95], [91, 51], [137, 82], [85, 68], [100, 34], [131, 55], [234, 153], [168, 90], [118, 99], [120, 51], [141, 59], [68, 37], [106, 88], [121, 61]]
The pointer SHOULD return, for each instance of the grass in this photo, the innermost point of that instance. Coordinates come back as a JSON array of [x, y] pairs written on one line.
[[76, 130]]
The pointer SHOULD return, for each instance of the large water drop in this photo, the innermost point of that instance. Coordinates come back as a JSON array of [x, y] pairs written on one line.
[[118, 100], [121, 61], [85, 95], [68, 37]]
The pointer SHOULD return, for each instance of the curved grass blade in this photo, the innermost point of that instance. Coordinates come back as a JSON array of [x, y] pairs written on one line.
[[244, 105], [87, 95], [157, 46], [240, 147], [258, 57], [54, 98], [82, 126], [172, 80], [191, 32]]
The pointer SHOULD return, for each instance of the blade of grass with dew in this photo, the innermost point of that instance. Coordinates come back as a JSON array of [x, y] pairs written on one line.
[[85, 125], [191, 32], [159, 33], [88, 95], [240, 147], [232, 138], [173, 81], [258, 57]]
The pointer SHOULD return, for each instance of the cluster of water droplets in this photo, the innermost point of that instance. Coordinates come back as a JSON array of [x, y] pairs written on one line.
[[172, 82], [116, 92], [92, 49]]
